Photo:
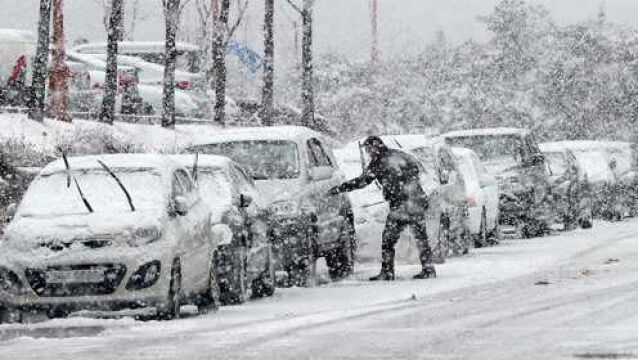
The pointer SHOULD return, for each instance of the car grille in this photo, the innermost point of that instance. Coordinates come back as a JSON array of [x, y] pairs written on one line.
[[92, 243], [113, 275]]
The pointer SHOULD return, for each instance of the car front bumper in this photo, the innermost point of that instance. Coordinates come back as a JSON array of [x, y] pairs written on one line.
[[36, 290]]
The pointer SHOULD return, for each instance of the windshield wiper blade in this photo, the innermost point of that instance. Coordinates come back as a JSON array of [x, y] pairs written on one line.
[[126, 193], [77, 185]]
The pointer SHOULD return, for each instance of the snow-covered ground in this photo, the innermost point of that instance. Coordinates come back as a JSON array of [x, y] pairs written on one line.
[[571, 295]]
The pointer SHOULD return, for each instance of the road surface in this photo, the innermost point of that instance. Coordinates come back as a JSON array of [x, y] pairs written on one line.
[[566, 296]]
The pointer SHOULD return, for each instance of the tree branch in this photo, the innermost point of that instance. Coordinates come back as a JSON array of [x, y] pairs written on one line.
[[233, 28], [295, 6]]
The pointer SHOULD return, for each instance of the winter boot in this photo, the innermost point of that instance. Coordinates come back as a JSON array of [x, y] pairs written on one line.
[[428, 272], [387, 266]]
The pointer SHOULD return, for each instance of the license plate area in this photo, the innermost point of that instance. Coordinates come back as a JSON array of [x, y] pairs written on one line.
[[75, 276]]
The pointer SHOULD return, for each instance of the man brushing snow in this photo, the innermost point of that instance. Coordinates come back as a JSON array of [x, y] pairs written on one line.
[[398, 175]]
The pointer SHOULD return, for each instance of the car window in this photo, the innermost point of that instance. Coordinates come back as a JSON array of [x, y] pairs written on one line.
[[317, 154]]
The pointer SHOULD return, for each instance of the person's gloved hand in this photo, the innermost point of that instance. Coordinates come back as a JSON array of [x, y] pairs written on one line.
[[333, 191]]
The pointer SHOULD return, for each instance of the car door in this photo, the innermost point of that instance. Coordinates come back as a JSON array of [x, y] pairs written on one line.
[[193, 234], [327, 208]]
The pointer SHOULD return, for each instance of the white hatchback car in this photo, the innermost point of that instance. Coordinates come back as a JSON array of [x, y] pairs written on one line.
[[108, 233], [482, 193]]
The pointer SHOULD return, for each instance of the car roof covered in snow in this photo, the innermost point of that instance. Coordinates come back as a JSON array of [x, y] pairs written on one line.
[[134, 47], [115, 161], [411, 141], [292, 133], [584, 145], [485, 132], [16, 35], [462, 152], [203, 160]]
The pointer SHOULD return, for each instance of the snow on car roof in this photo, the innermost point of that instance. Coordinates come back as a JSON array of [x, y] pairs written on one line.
[[411, 141], [114, 161], [204, 161], [134, 47], [485, 132], [581, 145], [16, 35], [294, 133]]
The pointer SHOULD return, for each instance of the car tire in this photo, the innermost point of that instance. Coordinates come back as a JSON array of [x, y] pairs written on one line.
[[171, 309], [494, 236], [341, 260], [440, 248], [233, 288], [10, 315], [210, 299], [481, 239]]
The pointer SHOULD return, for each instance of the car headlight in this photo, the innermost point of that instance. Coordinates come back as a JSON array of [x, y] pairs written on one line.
[[143, 236], [284, 208]]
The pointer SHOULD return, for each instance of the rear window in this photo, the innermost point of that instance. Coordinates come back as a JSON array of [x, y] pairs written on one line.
[[492, 149], [264, 159]]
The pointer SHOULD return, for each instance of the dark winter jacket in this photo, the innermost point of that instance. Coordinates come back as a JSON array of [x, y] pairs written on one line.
[[396, 172]]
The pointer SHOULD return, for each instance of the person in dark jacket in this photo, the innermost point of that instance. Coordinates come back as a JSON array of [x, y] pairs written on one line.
[[398, 175]]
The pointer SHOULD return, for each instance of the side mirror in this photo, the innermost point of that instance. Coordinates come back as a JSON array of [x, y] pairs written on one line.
[[245, 200], [180, 206], [222, 234], [319, 173]]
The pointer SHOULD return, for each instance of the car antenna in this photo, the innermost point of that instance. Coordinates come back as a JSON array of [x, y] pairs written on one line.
[[77, 185], [128, 195], [194, 174]]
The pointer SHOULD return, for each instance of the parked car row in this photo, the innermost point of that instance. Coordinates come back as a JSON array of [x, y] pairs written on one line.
[[242, 210]]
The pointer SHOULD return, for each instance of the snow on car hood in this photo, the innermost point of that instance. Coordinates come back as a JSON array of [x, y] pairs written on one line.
[[28, 232]]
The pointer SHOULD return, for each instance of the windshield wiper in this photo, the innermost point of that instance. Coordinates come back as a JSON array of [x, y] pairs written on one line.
[[194, 174], [77, 185], [128, 196]]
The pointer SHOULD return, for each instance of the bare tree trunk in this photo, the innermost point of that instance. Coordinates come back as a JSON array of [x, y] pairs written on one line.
[[267, 92], [219, 62], [41, 63], [107, 115], [59, 85], [307, 93], [171, 14]]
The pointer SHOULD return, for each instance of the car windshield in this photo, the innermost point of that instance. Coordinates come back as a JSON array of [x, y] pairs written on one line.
[[264, 159], [594, 165], [427, 158], [557, 162], [493, 150], [49, 195], [213, 183]]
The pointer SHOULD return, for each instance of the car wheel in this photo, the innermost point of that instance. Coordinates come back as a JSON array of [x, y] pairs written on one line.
[[233, 287], [301, 266], [210, 299], [440, 249], [173, 301], [341, 261], [481, 240], [10, 315]]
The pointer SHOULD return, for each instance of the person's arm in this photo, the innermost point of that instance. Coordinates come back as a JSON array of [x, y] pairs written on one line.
[[359, 182]]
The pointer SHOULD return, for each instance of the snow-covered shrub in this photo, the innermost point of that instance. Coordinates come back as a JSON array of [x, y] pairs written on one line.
[[97, 139]]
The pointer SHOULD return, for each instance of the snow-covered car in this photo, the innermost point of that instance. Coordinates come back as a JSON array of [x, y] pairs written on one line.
[[513, 157], [293, 168], [571, 192], [128, 99], [482, 193], [244, 263], [601, 162], [108, 233]]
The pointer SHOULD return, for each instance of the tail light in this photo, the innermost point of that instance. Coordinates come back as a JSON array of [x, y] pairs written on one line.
[[471, 202], [184, 85], [126, 80]]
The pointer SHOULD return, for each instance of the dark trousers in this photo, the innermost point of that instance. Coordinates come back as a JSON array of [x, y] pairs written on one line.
[[398, 219]]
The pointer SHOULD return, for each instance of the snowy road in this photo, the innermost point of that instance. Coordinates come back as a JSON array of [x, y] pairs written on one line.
[[567, 296]]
